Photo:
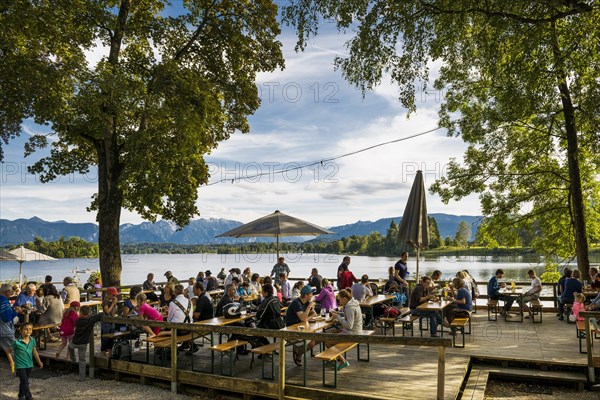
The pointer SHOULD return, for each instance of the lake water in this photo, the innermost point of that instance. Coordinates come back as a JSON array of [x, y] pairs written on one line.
[[137, 266]]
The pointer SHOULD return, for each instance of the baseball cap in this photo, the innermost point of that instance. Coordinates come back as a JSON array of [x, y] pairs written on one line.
[[307, 290], [112, 290], [75, 304], [168, 273]]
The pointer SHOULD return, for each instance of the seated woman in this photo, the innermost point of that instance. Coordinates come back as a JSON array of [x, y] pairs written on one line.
[[51, 307], [147, 312], [167, 295], [130, 304], [326, 297], [296, 290], [351, 321]]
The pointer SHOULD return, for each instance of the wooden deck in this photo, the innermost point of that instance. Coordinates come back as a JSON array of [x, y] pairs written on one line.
[[394, 371]]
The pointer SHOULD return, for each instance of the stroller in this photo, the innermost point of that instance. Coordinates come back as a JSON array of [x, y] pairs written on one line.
[[123, 349]]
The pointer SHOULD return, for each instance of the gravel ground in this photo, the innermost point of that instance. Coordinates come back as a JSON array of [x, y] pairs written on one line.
[[66, 386], [497, 390]]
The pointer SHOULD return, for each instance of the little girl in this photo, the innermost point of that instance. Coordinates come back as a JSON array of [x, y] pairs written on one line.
[[578, 305], [67, 326]]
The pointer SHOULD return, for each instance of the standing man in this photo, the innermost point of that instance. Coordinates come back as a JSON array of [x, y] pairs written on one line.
[[532, 294], [314, 280], [70, 292], [400, 272], [171, 278], [344, 266], [278, 268], [47, 285]]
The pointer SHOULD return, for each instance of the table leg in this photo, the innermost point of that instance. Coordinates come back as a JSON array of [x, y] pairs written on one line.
[[304, 363]]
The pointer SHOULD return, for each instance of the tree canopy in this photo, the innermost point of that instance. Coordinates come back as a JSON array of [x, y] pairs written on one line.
[[521, 88], [170, 84]]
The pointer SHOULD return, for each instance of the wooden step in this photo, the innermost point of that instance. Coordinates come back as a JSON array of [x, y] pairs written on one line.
[[576, 378], [476, 385]]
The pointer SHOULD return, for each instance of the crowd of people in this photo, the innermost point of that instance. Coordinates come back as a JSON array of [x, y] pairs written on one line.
[[267, 295]]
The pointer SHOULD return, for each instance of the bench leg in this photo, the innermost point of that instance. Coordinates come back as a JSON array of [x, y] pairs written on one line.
[[334, 363], [358, 354]]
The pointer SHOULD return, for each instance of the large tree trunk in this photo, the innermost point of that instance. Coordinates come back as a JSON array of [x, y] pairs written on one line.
[[575, 188], [110, 200]]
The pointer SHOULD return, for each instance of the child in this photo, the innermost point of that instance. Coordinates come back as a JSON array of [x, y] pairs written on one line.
[[147, 312], [189, 291], [578, 306], [84, 328], [67, 326], [20, 359]]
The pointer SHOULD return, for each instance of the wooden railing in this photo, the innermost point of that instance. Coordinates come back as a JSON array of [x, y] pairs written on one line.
[[283, 337]]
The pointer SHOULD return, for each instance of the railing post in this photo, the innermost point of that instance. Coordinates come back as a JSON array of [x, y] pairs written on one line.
[[281, 383], [92, 354], [590, 353], [441, 372], [174, 360]]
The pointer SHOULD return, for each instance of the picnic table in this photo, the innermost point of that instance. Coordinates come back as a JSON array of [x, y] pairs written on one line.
[[516, 292], [437, 306], [372, 301], [315, 324]]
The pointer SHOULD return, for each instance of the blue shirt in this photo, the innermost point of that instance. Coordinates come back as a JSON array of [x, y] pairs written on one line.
[[493, 287], [572, 286], [464, 294], [7, 316], [401, 268], [23, 299]]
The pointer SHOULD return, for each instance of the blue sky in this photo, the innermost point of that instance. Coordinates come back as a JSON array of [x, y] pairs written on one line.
[[308, 113]]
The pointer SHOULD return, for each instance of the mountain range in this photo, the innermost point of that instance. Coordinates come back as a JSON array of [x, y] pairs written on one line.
[[199, 231]]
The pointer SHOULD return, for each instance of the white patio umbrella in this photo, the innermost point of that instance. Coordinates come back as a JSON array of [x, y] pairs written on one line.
[[23, 254], [6, 256], [276, 225], [414, 227]]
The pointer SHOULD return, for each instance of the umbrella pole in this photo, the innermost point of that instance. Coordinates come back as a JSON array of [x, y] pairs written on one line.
[[20, 273], [417, 276], [277, 246]]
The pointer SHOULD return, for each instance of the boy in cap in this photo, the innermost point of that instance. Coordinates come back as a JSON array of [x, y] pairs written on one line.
[[300, 310]]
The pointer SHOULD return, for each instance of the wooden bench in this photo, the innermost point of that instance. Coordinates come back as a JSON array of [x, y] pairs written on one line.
[[492, 309], [388, 323], [536, 310], [266, 352], [40, 331], [408, 324], [163, 345], [226, 349], [458, 324], [330, 356], [568, 311], [115, 335], [580, 326]]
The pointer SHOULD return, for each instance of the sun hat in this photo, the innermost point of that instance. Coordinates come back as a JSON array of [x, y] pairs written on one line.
[[306, 290]]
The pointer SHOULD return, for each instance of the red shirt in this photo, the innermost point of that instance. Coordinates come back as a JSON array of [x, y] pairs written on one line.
[[347, 278]]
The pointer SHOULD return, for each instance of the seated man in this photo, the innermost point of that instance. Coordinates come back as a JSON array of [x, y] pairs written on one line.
[[361, 290], [420, 295], [493, 289], [229, 296], [26, 303], [300, 310], [532, 294]]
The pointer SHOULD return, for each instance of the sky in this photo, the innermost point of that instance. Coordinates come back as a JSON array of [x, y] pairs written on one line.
[[308, 113]]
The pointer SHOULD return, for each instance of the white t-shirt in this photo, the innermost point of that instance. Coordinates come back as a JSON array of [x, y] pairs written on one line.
[[175, 314], [535, 283]]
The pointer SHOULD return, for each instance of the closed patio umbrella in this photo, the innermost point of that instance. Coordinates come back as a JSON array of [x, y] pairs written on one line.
[[23, 254], [414, 227], [276, 225]]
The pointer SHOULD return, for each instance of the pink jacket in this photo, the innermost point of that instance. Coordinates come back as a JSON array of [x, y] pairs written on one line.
[[67, 325], [577, 307]]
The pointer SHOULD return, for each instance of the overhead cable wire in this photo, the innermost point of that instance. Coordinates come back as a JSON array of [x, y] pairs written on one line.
[[310, 164]]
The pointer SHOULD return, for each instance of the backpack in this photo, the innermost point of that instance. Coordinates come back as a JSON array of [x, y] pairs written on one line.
[[121, 350], [391, 312]]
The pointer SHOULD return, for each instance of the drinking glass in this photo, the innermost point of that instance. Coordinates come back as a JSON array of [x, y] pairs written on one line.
[[322, 312]]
